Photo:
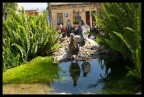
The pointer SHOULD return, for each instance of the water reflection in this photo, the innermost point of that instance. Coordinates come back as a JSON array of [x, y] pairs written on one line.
[[92, 77], [74, 71], [115, 77], [114, 70], [86, 68]]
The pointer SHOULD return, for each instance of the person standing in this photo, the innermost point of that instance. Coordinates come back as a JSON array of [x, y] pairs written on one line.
[[68, 28]]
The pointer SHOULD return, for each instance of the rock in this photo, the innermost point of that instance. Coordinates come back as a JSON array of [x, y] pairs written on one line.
[[78, 38], [92, 42], [87, 52]]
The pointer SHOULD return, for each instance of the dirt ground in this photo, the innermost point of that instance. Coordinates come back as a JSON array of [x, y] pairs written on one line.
[[26, 89]]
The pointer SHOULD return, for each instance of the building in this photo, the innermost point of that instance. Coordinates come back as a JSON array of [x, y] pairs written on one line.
[[30, 12], [62, 12], [33, 12]]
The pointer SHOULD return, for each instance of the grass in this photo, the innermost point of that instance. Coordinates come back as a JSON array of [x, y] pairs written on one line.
[[39, 70]]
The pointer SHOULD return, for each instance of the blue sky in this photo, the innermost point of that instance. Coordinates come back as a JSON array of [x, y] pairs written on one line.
[[33, 5]]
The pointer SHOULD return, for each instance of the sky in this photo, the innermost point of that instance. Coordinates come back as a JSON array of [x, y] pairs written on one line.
[[27, 6]]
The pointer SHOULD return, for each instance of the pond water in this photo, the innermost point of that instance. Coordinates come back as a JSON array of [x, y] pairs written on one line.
[[89, 78]]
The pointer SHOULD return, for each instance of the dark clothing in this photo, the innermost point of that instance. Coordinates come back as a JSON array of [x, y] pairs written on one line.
[[81, 22], [80, 31], [69, 29], [75, 31], [81, 34], [94, 29]]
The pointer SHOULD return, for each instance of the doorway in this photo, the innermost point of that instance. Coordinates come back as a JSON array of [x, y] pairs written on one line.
[[88, 18]]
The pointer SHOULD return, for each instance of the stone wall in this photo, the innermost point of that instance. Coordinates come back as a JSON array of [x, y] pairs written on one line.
[[67, 8]]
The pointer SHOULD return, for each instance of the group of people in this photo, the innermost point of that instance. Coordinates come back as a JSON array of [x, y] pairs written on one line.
[[65, 31]]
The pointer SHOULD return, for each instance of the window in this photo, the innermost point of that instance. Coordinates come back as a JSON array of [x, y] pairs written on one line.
[[75, 18], [59, 18]]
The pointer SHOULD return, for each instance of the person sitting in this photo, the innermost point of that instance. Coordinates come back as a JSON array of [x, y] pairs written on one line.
[[63, 30], [75, 31], [93, 33]]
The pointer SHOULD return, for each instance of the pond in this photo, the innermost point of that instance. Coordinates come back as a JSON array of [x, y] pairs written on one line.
[[90, 78]]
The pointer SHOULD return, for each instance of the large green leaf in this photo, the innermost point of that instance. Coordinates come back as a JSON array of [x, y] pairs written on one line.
[[23, 53]]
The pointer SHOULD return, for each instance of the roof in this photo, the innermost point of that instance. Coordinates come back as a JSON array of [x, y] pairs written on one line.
[[32, 10], [63, 3]]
